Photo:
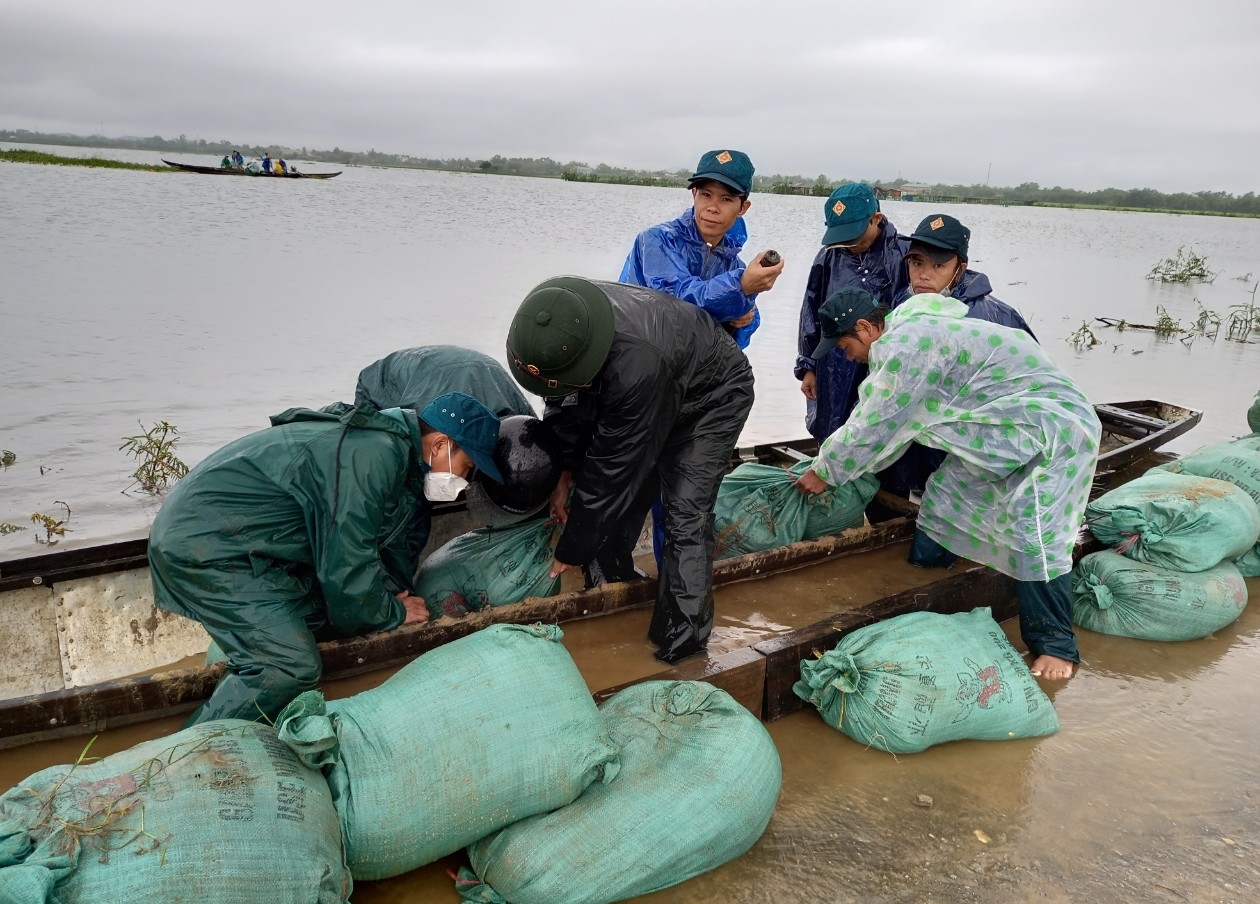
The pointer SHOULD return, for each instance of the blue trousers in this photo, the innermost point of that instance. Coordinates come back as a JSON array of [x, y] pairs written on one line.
[[1045, 607]]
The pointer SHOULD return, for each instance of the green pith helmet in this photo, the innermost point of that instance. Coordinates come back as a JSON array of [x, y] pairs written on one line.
[[560, 336]]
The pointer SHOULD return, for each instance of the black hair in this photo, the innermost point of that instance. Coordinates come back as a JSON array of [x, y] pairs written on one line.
[[875, 318]]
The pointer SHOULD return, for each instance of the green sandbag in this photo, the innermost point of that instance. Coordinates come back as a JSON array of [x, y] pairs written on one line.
[[220, 813], [1253, 415], [468, 738], [1177, 521], [922, 678], [1238, 462], [699, 780], [1112, 594], [757, 508], [489, 567]]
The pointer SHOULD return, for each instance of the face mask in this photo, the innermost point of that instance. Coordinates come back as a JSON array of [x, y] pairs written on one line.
[[443, 486]]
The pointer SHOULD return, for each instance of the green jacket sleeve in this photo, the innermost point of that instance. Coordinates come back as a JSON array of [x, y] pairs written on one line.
[[346, 488]]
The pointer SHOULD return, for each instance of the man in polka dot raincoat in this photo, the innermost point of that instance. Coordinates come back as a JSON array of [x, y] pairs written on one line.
[[1021, 437]]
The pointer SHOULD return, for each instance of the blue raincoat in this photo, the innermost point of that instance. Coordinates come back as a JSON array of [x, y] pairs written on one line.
[[880, 271], [1022, 437], [673, 258]]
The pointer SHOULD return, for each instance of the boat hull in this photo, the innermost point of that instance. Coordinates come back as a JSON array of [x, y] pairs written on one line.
[[79, 622], [231, 171]]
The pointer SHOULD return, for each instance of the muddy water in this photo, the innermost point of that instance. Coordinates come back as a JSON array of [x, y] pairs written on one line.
[[1149, 792]]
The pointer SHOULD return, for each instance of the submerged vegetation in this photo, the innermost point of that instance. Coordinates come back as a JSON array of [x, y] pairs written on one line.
[[40, 157], [154, 451], [54, 528], [1183, 268]]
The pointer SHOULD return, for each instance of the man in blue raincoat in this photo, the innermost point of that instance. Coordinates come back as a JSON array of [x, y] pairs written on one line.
[[294, 532], [695, 258], [861, 248], [1022, 440]]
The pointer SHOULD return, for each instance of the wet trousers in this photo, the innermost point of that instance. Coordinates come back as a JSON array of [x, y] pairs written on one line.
[[1045, 607], [691, 467]]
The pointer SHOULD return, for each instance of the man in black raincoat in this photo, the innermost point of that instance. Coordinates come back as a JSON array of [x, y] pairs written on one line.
[[649, 395], [293, 534]]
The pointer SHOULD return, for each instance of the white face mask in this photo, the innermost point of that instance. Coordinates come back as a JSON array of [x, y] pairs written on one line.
[[443, 486]]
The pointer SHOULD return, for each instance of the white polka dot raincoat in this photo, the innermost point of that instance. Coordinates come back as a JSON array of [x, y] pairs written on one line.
[[1021, 436]]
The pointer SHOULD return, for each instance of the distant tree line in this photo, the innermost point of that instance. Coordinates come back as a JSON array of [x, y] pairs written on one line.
[[1216, 202]]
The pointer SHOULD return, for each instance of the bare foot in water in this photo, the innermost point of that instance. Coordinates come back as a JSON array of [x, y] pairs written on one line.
[[1052, 667]]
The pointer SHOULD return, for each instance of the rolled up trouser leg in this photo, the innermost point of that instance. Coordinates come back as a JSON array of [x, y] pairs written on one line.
[[267, 666], [1045, 617]]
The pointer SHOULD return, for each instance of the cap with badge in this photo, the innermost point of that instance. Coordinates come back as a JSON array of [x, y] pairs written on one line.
[[943, 231], [848, 211], [471, 425], [731, 168], [560, 336], [839, 314]]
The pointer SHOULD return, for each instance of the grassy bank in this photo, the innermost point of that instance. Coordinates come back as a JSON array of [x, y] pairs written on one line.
[[56, 159]]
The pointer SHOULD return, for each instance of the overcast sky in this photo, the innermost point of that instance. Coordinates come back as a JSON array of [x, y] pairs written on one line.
[[1079, 93]]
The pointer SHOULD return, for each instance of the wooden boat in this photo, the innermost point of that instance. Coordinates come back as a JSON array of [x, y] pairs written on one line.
[[79, 622], [232, 171]]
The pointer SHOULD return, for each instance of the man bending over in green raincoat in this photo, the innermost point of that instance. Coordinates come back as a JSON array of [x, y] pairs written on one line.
[[1022, 440], [292, 534]]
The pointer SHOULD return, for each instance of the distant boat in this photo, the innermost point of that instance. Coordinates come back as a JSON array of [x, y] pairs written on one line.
[[232, 171]]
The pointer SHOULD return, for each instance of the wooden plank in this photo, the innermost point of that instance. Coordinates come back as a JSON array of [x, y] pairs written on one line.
[[962, 592], [741, 673]]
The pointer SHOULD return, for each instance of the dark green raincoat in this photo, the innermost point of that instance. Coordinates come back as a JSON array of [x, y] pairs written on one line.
[[287, 530], [414, 377]]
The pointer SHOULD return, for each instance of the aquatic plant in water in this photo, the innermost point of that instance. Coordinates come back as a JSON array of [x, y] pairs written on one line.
[[154, 450], [1083, 338], [1183, 268], [54, 529]]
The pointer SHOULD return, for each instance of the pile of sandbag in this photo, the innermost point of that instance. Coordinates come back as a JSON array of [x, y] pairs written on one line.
[[220, 813], [758, 508], [465, 740], [1237, 462], [1177, 535], [489, 567], [698, 782], [923, 678]]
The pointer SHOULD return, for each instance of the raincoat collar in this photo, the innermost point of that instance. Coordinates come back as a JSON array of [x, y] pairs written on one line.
[[929, 305]]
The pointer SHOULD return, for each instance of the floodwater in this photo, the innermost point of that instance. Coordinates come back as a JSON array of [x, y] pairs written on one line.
[[212, 302]]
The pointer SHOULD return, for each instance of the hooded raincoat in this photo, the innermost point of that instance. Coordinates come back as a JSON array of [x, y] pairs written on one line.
[[661, 417], [414, 377], [284, 530], [910, 472], [1021, 436], [880, 271], [674, 259], [976, 292]]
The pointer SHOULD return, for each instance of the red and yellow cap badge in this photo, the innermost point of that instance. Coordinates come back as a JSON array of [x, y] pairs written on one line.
[[725, 157], [937, 223], [837, 208]]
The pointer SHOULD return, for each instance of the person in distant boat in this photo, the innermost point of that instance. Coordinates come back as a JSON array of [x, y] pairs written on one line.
[[936, 262], [238, 160], [647, 395], [226, 162], [695, 258], [283, 167], [1022, 439], [293, 534], [861, 248], [266, 162]]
